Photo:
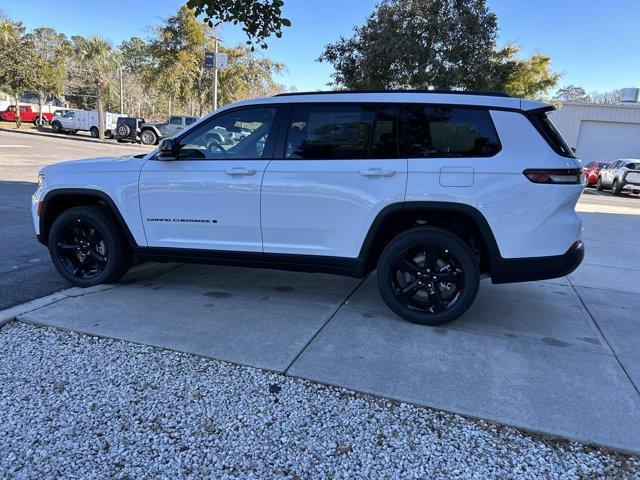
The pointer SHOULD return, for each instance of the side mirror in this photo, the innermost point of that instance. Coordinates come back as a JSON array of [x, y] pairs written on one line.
[[167, 149]]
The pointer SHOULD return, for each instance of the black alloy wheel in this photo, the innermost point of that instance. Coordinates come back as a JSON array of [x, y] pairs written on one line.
[[81, 249], [428, 276], [87, 247]]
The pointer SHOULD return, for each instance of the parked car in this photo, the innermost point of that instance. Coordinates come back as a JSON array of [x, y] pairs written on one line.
[[27, 114], [152, 133], [432, 190], [592, 170], [85, 120], [128, 129], [623, 174]]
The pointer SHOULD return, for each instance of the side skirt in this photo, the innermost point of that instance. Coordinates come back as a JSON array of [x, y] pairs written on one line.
[[350, 267]]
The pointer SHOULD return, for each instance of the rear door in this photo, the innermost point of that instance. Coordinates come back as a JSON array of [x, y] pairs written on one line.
[[337, 167]]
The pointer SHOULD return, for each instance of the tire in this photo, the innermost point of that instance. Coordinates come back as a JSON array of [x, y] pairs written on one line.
[[95, 133], [599, 186], [38, 123], [123, 130], [56, 127], [148, 137], [615, 187], [87, 248], [428, 251]]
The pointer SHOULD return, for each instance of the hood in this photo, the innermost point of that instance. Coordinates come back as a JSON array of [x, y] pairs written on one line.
[[127, 163]]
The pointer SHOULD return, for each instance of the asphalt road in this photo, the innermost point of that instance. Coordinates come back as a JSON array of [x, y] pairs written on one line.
[[25, 269]]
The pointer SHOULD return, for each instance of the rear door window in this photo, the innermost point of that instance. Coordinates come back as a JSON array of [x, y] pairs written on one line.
[[330, 132], [175, 120], [436, 131]]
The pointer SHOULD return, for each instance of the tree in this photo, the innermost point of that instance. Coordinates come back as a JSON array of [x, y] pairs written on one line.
[[572, 94], [611, 97], [99, 61], [524, 78], [52, 52], [434, 44], [259, 18], [438, 44], [18, 61], [178, 48]]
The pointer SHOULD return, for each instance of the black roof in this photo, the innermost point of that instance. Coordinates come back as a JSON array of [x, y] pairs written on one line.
[[447, 92]]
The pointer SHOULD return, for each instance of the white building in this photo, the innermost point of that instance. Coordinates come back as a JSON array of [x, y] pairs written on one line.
[[602, 131]]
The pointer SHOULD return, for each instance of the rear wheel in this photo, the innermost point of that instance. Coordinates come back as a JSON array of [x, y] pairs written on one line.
[[615, 187], [599, 185], [428, 276], [87, 248], [95, 133]]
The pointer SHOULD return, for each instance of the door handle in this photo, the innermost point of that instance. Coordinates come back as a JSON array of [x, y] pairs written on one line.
[[239, 171], [377, 172]]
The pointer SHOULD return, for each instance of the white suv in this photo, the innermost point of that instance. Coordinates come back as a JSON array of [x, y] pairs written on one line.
[[434, 190]]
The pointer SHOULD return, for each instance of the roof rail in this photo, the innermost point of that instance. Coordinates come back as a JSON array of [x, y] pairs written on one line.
[[447, 92]]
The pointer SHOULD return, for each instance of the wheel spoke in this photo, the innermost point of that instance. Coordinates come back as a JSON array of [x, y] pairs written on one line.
[[79, 270], [67, 247], [430, 260], [436, 300], [406, 265], [454, 277], [98, 257], [77, 231], [408, 290], [93, 236]]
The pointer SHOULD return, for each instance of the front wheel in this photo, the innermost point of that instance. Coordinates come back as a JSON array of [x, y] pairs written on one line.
[[428, 276], [56, 127], [87, 248], [148, 137]]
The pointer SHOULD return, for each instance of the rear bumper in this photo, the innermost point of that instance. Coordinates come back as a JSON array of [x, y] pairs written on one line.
[[513, 270]]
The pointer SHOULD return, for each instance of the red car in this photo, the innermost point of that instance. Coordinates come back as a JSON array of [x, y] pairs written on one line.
[[591, 171], [27, 114]]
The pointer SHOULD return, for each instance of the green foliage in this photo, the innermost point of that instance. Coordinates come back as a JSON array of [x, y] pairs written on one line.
[[18, 60], [259, 18], [526, 78], [52, 50], [435, 44]]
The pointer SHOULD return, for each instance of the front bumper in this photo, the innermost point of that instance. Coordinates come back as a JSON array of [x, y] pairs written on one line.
[[512, 270]]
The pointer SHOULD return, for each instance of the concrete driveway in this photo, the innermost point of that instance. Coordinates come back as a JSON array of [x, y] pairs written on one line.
[[559, 357]]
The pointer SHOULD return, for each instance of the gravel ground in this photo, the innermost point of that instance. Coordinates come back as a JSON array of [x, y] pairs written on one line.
[[83, 407]]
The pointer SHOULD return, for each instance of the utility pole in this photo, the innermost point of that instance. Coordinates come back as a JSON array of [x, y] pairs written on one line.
[[121, 94], [215, 76]]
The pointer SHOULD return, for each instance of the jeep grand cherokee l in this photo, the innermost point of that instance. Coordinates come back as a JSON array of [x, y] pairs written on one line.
[[432, 190]]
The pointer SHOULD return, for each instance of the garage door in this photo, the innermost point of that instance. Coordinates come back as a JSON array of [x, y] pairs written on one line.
[[608, 141]]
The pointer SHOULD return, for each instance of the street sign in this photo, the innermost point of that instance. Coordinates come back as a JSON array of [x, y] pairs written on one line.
[[210, 60]]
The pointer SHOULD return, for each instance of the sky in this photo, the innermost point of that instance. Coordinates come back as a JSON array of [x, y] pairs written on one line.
[[592, 44]]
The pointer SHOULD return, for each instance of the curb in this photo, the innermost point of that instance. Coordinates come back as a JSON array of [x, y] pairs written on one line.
[[70, 137], [136, 273]]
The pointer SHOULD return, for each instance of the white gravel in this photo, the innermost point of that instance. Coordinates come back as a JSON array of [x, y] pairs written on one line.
[[82, 407]]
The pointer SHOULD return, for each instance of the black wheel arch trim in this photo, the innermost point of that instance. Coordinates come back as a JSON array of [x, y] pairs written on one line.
[[501, 270], [87, 192], [431, 206]]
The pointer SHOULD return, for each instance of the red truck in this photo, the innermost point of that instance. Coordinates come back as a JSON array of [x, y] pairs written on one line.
[[27, 114]]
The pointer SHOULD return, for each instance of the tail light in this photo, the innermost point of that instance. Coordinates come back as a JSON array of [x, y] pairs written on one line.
[[555, 176]]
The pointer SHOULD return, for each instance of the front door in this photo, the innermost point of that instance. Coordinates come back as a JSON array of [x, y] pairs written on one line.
[[209, 196], [338, 168]]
